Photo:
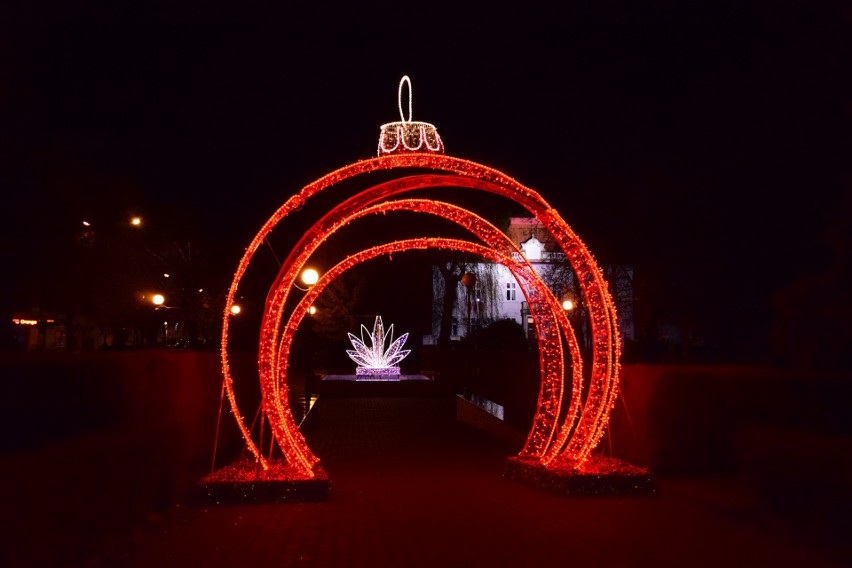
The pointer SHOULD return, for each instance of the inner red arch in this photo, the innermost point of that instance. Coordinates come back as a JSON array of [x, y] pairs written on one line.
[[549, 323], [294, 447]]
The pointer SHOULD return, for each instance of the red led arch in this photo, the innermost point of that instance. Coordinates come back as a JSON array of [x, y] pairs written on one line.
[[295, 449], [548, 323], [551, 391], [572, 444]]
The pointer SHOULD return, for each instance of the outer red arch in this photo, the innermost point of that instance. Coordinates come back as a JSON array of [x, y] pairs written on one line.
[[606, 352]]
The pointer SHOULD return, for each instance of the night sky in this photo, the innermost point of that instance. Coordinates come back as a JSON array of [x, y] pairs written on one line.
[[704, 143]]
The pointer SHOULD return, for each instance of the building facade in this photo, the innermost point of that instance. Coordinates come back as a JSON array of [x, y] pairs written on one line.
[[497, 295]]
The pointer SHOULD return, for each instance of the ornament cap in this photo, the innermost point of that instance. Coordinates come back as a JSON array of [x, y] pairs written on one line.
[[407, 136]]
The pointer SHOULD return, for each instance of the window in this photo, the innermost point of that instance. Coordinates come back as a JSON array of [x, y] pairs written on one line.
[[532, 248], [511, 292]]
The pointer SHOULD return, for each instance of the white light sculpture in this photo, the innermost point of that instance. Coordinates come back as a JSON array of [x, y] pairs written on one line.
[[373, 359]]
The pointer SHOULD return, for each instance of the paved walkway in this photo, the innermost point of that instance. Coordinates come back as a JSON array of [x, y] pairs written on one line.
[[411, 487]]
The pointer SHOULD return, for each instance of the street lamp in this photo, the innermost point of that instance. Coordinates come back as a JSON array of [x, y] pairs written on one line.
[[235, 309], [159, 302], [309, 277]]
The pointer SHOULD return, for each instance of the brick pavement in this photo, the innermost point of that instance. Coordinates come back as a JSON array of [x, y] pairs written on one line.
[[411, 487]]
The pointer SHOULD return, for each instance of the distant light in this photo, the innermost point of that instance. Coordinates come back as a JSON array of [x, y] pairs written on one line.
[[235, 309], [158, 299], [201, 289], [312, 310], [310, 276], [166, 275], [86, 224], [567, 305], [136, 221]]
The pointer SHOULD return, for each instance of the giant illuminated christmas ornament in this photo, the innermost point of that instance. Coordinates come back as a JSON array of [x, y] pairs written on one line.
[[573, 407], [373, 359]]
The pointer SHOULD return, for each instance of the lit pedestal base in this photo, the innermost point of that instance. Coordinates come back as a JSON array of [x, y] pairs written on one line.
[[377, 374], [241, 483], [600, 476], [377, 378]]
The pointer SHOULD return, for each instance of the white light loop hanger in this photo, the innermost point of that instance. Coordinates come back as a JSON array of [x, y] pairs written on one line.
[[406, 135], [402, 81]]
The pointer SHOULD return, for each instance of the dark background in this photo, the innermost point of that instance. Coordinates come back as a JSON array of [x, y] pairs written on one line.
[[704, 143]]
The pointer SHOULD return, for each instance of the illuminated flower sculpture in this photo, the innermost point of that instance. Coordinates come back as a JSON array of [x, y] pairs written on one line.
[[373, 359]]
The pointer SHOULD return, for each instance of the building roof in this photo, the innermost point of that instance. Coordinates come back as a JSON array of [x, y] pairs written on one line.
[[522, 228]]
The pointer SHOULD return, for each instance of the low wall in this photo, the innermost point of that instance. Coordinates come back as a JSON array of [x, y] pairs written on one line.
[[472, 415], [100, 440], [92, 443], [708, 419], [786, 434]]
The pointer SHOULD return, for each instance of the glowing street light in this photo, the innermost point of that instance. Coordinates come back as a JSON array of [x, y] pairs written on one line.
[[567, 305], [158, 299], [310, 277], [136, 221], [235, 309], [312, 310]]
